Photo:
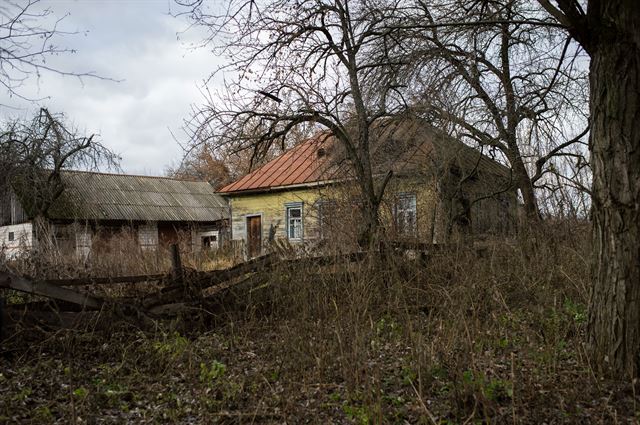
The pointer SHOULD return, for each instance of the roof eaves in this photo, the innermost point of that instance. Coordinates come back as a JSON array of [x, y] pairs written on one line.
[[306, 185]]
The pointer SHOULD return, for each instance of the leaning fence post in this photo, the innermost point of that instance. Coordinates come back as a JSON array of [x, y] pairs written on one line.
[[176, 264]]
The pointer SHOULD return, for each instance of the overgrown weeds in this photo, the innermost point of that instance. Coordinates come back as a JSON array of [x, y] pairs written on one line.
[[490, 333]]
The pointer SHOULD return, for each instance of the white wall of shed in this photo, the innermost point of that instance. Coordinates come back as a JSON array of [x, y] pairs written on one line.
[[22, 239]]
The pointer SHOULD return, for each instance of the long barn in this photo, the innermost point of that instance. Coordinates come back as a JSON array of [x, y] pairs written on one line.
[[92, 206]]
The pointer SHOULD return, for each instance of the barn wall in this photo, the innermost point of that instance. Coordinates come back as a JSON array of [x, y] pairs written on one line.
[[11, 211], [22, 235], [482, 204], [84, 240], [209, 237], [72, 238]]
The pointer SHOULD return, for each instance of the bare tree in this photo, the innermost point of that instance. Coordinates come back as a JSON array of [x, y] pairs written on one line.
[[34, 154], [506, 84], [201, 164], [28, 38], [301, 63]]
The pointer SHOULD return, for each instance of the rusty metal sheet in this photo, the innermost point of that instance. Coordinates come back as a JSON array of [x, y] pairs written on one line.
[[404, 146]]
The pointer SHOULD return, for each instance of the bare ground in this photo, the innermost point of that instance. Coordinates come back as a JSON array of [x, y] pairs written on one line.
[[497, 338]]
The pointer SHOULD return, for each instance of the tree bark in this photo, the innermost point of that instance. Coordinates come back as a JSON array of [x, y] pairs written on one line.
[[523, 182], [614, 314]]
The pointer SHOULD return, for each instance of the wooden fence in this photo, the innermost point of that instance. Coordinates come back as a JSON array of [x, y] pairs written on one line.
[[179, 286]]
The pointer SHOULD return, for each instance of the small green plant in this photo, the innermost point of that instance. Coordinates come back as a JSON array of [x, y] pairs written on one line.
[[23, 395], [80, 393], [274, 376], [209, 374], [357, 414], [387, 325], [577, 311], [468, 377], [503, 343], [171, 346], [498, 389], [494, 389], [408, 375], [396, 400], [43, 414]]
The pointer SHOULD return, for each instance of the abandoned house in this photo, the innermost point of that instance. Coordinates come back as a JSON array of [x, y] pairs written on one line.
[[94, 207], [439, 188]]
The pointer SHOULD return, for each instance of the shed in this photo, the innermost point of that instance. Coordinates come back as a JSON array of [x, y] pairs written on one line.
[[95, 205]]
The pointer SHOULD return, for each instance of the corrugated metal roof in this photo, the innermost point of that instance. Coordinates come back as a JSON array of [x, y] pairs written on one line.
[[302, 164], [101, 196], [406, 146]]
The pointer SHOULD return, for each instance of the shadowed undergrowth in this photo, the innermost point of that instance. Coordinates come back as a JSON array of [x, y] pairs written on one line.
[[490, 334]]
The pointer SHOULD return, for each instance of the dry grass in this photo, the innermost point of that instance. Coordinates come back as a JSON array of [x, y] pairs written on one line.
[[118, 255], [490, 335]]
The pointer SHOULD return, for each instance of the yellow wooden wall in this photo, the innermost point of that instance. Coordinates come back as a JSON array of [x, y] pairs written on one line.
[[271, 207], [432, 213]]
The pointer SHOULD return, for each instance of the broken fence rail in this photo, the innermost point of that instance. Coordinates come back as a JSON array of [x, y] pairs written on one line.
[[45, 289], [82, 281], [173, 291]]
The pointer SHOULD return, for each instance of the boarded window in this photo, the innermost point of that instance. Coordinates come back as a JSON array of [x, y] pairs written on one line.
[[294, 221], [148, 236], [404, 214], [83, 242]]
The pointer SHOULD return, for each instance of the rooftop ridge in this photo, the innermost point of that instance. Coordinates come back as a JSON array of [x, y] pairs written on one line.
[[103, 173]]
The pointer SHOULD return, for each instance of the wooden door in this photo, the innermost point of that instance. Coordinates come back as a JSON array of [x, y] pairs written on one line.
[[254, 236]]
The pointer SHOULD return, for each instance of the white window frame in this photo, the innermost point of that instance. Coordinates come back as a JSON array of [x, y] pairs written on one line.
[[405, 202], [214, 242], [288, 208]]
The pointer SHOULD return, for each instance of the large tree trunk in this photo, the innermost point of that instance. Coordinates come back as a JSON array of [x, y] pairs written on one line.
[[614, 318], [523, 182]]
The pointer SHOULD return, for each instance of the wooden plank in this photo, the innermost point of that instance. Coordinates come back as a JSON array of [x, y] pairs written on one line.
[[416, 245], [105, 280], [208, 279], [222, 279], [328, 260], [11, 281], [202, 280]]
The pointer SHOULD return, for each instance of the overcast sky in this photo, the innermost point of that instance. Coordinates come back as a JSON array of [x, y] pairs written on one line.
[[136, 41]]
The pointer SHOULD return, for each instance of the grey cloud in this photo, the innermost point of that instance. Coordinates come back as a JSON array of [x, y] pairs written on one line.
[[135, 42]]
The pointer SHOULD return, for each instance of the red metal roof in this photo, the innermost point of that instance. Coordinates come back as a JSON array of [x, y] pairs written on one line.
[[305, 163], [403, 146]]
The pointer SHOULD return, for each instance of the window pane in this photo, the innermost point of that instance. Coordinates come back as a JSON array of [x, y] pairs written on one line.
[[294, 222], [405, 214]]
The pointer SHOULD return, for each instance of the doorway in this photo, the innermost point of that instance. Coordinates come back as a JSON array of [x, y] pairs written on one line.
[[254, 236]]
